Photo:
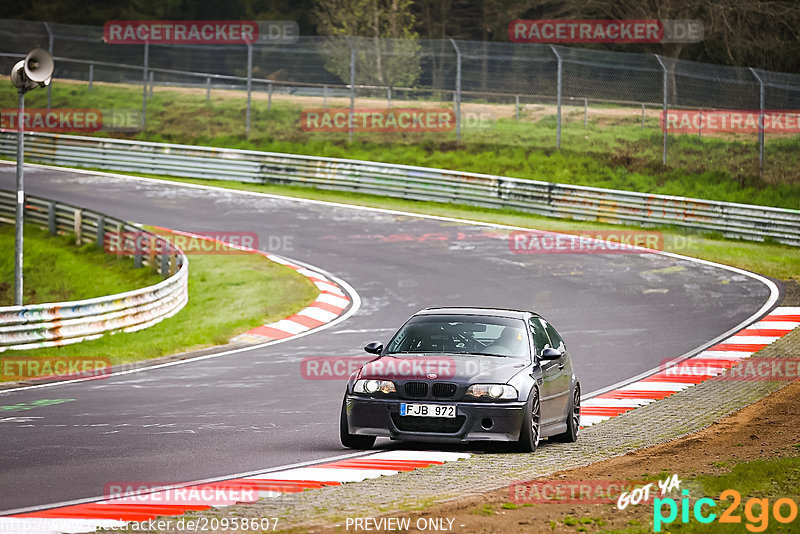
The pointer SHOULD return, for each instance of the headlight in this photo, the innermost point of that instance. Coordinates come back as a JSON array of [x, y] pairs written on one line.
[[374, 386], [492, 391]]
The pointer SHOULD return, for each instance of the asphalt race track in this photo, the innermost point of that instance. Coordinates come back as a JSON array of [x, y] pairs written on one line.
[[621, 315]]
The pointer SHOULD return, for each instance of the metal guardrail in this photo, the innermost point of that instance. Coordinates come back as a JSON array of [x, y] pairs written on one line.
[[418, 183], [62, 323]]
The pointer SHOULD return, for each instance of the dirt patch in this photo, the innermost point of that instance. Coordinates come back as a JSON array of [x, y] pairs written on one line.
[[792, 297], [769, 428]]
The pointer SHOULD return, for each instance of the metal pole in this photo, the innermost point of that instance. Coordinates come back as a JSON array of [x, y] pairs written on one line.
[[352, 87], [558, 97], [249, 88], [324, 97], [208, 89], [20, 213], [388, 97], [760, 122], [585, 112], [151, 83], [269, 96], [457, 94], [516, 108], [664, 115], [700, 125], [144, 83], [642, 116], [50, 50], [91, 75]]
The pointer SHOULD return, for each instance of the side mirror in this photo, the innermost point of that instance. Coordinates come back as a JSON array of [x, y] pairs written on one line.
[[376, 347], [551, 354]]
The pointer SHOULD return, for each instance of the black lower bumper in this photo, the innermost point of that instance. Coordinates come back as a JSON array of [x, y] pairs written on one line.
[[473, 422]]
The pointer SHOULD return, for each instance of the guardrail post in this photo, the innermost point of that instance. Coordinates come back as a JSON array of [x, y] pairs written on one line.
[[352, 86], [91, 75], [137, 260], [516, 107], [152, 76], [389, 97], [101, 230], [164, 264], [144, 83], [457, 93], [249, 88], [642, 116], [78, 227], [558, 97], [269, 96], [173, 260], [151, 250], [760, 122], [208, 89], [664, 113], [51, 218]]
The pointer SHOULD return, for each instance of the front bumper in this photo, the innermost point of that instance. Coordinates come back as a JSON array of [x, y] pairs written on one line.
[[475, 421]]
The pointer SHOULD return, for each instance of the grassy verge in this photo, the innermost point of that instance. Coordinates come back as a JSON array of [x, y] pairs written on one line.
[[55, 270], [765, 480], [228, 294], [613, 151], [771, 259]]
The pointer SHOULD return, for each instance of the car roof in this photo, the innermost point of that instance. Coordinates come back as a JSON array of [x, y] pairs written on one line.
[[470, 310]]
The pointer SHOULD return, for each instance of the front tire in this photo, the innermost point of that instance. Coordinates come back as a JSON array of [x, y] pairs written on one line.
[[530, 433], [573, 418], [352, 441]]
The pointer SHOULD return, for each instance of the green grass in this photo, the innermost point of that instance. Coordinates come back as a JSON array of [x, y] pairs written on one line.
[[612, 152], [771, 259], [228, 295], [55, 270]]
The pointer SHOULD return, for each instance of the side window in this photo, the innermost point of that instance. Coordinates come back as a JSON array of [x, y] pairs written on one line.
[[558, 343], [540, 338]]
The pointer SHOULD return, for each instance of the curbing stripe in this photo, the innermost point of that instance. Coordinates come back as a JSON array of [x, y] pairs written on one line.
[[331, 295], [119, 511], [717, 360]]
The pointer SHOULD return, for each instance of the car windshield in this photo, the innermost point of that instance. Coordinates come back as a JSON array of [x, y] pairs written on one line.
[[462, 334]]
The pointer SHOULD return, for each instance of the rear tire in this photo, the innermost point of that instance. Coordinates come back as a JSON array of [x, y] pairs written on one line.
[[573, 418], [352, 441], [531, 431]]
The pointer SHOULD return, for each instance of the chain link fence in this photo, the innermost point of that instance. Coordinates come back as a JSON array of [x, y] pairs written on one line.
[[571, 98]]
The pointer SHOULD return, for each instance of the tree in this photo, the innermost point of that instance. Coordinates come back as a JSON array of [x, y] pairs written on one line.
[[382, 33]]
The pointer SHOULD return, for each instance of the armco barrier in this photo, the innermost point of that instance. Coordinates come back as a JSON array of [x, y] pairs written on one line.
[[419, 183], [61, 323]]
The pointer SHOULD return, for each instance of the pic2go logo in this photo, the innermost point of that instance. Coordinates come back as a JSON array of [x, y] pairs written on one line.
[[756, 511]]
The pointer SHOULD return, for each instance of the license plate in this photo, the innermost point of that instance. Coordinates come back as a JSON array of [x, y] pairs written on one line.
[[428, 410]]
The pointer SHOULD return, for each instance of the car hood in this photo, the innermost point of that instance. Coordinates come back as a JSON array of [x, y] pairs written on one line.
[[443, 367]]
